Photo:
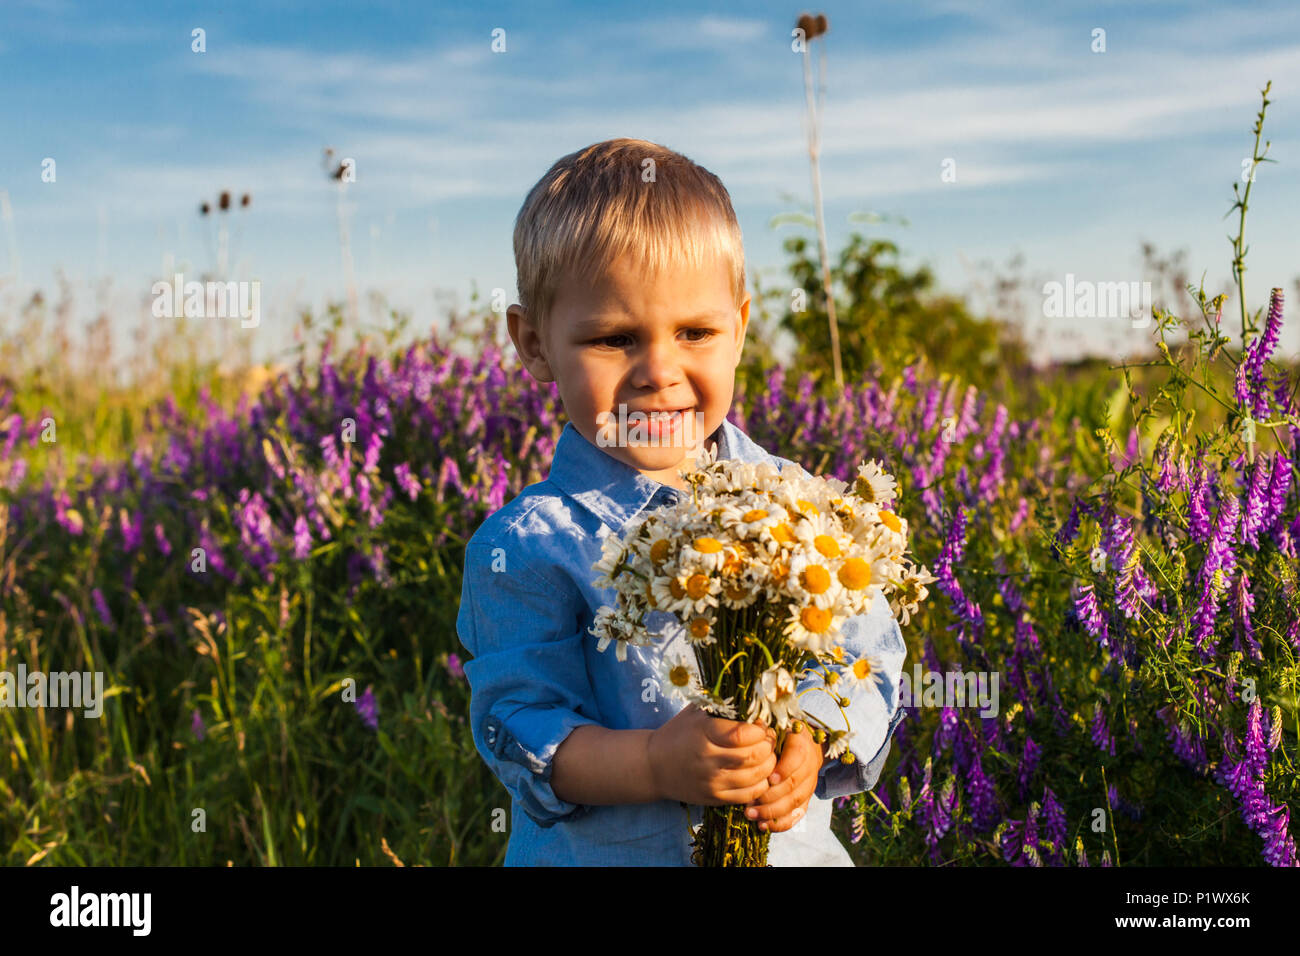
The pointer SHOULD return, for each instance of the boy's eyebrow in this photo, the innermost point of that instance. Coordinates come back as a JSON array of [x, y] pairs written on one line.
[[604, 323]]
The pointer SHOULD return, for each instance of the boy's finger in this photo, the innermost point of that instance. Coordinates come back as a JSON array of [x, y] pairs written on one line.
[[734, 733], [766, 813], [787, 822], [792, 758], [751, 756], [777, 789]]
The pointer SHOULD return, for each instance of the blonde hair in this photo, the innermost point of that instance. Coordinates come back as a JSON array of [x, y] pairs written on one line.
[[599, 203]]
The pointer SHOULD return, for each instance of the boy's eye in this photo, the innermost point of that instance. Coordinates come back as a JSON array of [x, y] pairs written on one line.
[[612, 340]]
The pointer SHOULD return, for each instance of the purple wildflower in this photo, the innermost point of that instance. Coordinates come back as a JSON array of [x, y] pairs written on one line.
[[1090, 614], [406, 481], [1252, 522], [101, 608], [131, 530], [301, 539], [1243, 602], [1198, 516], [1028, 765], [197, 725], [454, 666], [160, 538], [1278, 488], [1218, 559], [368, 709], [1101, 735], [983, 796], [1055, 827]]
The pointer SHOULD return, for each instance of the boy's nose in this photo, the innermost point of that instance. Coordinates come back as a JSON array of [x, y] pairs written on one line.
[[659, 368]]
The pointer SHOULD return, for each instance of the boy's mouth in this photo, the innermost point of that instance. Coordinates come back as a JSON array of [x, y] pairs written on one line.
[[665, 421]]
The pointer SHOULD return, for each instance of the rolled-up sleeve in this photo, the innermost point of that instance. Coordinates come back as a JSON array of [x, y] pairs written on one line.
[[529, 686], [873, 712]]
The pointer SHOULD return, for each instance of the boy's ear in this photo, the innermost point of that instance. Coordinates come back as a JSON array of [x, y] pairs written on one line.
[[742, 327], [528, 343]]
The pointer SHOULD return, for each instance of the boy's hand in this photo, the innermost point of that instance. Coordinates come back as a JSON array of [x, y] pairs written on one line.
[[793, 784], [710, 761]]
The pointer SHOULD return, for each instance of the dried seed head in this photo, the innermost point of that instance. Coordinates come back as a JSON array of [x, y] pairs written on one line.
[[224, 202], [812, 26], [245, 200], [204, 209]]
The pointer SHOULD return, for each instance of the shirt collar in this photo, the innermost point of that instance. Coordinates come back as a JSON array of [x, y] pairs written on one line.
[[614, 491]]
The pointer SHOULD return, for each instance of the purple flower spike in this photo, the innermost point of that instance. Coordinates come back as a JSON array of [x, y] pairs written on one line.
[[101, 608]]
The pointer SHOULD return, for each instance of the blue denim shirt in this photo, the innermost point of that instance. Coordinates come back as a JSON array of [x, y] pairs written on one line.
[[535, 674]]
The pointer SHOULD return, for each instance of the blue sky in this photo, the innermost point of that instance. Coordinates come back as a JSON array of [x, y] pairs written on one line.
[[1069, 157]]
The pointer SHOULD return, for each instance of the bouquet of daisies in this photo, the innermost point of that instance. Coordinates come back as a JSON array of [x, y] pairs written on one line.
[[760, 569]]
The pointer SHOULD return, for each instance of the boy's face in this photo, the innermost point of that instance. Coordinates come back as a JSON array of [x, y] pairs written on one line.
[[672, 342]]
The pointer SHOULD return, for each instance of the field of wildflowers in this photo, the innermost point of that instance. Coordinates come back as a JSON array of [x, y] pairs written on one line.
[[267, 573]]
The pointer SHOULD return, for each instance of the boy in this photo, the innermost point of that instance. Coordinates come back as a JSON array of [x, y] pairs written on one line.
[[632, 300]]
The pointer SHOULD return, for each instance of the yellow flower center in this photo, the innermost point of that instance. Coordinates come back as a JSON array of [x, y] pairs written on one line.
[[659, 550], [855, 574], [826, 546], [779, 570], [680, 676], [863, 489], [807, 507], [708, 545], [676, 589], [782, 533], [815, 619], [890, 521], [735, 592], [700, 627], [754, 514], [697, 585], [815, 579], [862, 668]]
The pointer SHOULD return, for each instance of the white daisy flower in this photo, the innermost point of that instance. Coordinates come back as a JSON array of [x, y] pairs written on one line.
[[823, 534], [814, 628], [909, 591], [717, 706], [890, 535], [704, 551], [679, 679], [656, 545], [862, 576], [812, 580], [741, 590], [874, 484], [611, 555], [699, 630], [865, 672], [836, 747], [692, 590], [775, 701], [748, 515]]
